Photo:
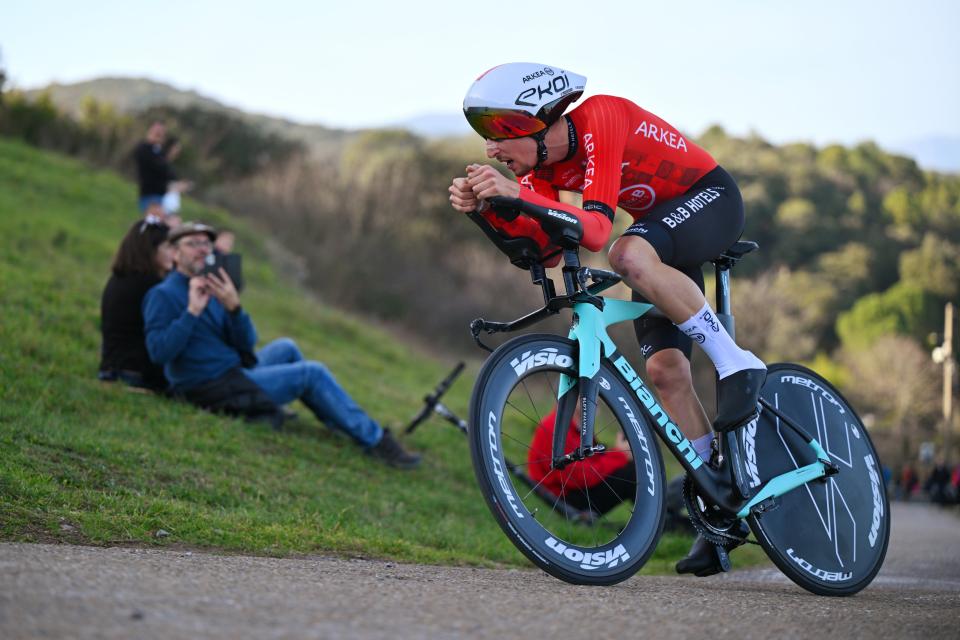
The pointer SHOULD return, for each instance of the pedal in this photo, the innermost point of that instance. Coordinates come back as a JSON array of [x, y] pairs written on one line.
[[723, 558], [722, 563]]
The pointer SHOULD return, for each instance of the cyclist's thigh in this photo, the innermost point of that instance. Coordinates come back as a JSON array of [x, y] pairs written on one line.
[[697, 226], [658, 333]]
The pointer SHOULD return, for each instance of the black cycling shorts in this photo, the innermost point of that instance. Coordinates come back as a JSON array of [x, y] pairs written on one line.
[[686, 232]]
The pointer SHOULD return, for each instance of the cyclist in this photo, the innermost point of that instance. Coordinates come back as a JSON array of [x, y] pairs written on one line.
[[686, 211]]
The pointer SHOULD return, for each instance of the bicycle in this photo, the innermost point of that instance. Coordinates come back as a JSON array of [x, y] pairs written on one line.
[[819, 511]]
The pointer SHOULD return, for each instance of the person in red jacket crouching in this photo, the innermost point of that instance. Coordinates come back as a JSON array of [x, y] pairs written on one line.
[[598, 483]]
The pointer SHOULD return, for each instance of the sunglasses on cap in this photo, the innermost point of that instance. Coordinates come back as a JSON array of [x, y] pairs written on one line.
[[151, 221], [502, 124]]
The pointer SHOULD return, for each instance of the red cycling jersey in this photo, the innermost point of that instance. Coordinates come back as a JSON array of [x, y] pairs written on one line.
[[575, 476], [624, 156]]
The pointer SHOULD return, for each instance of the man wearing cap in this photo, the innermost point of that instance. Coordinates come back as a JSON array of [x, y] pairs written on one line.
[[196, 328]]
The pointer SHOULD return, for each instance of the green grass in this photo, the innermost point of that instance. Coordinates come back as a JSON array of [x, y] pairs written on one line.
[[85, 462]]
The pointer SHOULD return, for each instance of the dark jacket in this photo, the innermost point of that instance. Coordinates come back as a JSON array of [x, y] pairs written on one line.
[[124, 350], [154, 172]]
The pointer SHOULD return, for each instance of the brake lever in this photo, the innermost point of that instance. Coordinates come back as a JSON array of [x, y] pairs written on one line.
[[478, 326], [583, 273]]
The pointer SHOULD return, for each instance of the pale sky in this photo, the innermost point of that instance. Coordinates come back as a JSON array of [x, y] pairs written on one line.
[[818, 71]]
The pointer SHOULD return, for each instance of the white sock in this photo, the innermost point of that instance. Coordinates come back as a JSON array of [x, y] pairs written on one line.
[[702, 446], [704, 328]]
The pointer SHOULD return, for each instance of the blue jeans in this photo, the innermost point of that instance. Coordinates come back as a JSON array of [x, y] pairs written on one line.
[[285, 376]]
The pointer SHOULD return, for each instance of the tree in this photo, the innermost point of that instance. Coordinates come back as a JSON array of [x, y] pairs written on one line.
[[934, 267], [903, 309], [895, 378], [3, 78]]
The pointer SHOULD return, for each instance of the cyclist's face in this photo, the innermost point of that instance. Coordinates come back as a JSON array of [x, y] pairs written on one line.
[[519, 154]]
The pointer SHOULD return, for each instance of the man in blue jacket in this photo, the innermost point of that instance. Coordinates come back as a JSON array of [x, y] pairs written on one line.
[[196, 328]]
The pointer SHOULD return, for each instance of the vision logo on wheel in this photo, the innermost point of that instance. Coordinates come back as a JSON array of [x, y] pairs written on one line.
[[544, 357], [590, 561]]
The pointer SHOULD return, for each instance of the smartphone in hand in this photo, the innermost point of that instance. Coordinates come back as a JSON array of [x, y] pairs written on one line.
[[232, 263]]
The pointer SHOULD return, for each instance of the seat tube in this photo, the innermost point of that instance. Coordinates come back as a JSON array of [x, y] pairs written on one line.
[[724, 312]]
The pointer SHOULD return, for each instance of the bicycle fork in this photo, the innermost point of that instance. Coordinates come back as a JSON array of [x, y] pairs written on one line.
[[589, 330]]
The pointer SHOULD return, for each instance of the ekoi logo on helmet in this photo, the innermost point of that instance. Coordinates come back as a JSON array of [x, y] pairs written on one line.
[[520, 99]]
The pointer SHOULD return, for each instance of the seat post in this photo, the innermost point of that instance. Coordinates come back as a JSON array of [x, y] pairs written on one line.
[[724, 312]]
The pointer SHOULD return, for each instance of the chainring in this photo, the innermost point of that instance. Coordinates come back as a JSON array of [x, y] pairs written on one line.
[[715, 532]]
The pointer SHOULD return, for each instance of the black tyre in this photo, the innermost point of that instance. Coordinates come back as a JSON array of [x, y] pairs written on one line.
[[515, 389], [828, 537]]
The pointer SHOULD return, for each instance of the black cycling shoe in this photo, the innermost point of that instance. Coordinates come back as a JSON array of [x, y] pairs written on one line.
[[737, 399], [707, 558]]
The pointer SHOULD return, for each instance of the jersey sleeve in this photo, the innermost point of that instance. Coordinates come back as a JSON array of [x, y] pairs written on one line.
[[603, 138], [596, 224]]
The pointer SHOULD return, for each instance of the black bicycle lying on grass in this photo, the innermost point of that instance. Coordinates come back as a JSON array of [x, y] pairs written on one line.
[[804, 475]]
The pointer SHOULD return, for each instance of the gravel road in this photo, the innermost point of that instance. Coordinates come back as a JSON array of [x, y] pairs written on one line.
[[61, 591]]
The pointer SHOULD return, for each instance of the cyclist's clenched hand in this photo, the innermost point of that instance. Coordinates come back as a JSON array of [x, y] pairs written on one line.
[[487, 182], [461, 196]]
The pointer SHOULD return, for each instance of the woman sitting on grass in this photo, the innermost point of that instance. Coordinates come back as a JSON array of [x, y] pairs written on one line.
[[143, 259]]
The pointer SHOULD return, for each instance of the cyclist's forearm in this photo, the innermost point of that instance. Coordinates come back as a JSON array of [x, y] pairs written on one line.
[[596, 224]]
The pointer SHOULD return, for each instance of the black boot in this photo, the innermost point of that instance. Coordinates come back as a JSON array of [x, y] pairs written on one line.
[[737, 397], [707, 558], [389, 451]]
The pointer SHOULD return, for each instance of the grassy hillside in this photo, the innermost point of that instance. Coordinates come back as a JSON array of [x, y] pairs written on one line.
[[85, 462]]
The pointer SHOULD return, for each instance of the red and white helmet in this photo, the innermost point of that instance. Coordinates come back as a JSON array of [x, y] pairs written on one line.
[[520, 99]]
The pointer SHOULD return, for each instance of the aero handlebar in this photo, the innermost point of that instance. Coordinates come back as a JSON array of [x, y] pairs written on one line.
[[563, 229]]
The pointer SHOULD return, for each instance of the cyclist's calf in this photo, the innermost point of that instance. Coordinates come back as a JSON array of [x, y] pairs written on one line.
[[670, 374]]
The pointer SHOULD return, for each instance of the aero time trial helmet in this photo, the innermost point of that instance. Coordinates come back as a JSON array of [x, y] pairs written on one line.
[[520, 99]]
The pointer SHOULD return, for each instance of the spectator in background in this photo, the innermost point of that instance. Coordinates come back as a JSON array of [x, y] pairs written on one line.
[[937, 482], [225, 241], [196, 327], [955, 484], [908, 481], [599, 482], [143, 259], [154, 173]]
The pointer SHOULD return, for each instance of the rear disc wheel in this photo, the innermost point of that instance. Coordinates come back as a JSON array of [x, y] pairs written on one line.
[[830, 537]]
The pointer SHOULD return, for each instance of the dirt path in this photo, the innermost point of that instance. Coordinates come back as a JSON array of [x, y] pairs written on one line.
[[81, 592]]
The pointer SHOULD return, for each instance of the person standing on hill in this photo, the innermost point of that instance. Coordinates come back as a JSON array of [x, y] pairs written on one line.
[[155, 174], [197, 329]]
